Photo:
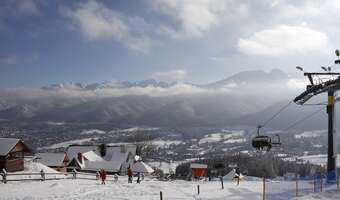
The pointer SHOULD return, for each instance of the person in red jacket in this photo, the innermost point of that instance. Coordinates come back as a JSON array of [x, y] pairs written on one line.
[[129, 172], [103, 174]]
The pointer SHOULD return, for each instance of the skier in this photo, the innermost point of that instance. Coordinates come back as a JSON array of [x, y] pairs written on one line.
[[138, 177], [129, 175], [103, 174], [116, 178], [237, 175], [42, 173]]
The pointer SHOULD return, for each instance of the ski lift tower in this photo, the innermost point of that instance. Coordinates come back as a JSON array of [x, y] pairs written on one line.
[[321, 85]]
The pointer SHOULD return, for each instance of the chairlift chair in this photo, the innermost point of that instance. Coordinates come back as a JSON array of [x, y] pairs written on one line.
[[261, 142], [277, 143]]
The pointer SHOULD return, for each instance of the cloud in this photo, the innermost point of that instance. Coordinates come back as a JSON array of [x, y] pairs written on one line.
[[196, 17], [172, 75], [27, 7], [9, 60], [95, 21], [284, 40], [19, 8]]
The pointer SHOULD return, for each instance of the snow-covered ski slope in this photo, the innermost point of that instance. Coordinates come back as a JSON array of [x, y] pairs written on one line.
[[147, 190]]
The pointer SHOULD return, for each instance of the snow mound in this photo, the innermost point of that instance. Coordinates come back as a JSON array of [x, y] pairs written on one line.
[[32, 171]]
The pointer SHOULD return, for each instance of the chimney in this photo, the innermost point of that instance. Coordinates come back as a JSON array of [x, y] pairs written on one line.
[[80, 157]]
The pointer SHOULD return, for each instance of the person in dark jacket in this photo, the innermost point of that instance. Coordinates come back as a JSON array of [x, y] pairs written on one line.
[[138, 177], [129, 172], [237, 175]]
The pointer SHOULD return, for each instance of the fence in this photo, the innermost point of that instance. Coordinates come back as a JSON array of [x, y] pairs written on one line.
[[299, 186], [43, 176]]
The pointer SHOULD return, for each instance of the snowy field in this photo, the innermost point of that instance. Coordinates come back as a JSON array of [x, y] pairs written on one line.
[[148, 190], [87, 187]]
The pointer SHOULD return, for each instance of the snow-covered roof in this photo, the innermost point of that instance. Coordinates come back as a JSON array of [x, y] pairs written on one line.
[[92, 156], [51, 159], [7, 144], [198, 165], [73, 150], [141, 167], [112, 161]]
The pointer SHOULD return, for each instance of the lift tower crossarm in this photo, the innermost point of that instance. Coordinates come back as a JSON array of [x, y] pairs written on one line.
[[330, 86], [313, 90]]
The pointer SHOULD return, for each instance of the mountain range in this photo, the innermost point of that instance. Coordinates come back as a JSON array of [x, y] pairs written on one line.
[[245, 98]]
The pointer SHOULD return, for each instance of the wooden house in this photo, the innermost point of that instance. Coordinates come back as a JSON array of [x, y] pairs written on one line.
[[12, 153], [57, 161], [115, 159]]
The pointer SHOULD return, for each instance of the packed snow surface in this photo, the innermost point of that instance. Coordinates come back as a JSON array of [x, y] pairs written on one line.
[[149, 189]]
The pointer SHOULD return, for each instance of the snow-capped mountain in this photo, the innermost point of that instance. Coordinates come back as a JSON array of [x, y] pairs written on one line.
[[109, 85], [151, 102]]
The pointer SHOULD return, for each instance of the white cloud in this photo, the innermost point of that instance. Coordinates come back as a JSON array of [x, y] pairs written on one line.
[[172, 75], [196, 17], [284, 40], [95, 21], [299, 84]]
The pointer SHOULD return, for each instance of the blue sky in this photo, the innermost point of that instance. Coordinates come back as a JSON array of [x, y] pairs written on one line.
[[44, 42]]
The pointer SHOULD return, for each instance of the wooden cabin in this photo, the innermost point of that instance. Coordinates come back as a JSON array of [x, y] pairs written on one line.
[[12, 151]]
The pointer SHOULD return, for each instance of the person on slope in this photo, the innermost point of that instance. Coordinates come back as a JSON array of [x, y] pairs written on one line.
[[138, 177], [102, 175], [237, 175], [116, 178], [129, 172]]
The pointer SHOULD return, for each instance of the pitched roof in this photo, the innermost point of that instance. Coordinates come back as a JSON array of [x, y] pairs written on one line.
[[113, 153], [73, 150], [51, 159], [112, 161], [142, 167], [198, 166], [7, 144], [92, 156]]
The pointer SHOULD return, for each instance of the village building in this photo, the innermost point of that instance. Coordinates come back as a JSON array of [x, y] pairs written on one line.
[[12, 152], [112, 158], [57, 161], [198, 170]]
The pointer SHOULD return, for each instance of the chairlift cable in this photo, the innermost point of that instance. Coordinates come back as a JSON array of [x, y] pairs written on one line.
[[308, 116], [276, 114], [303, 119]]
